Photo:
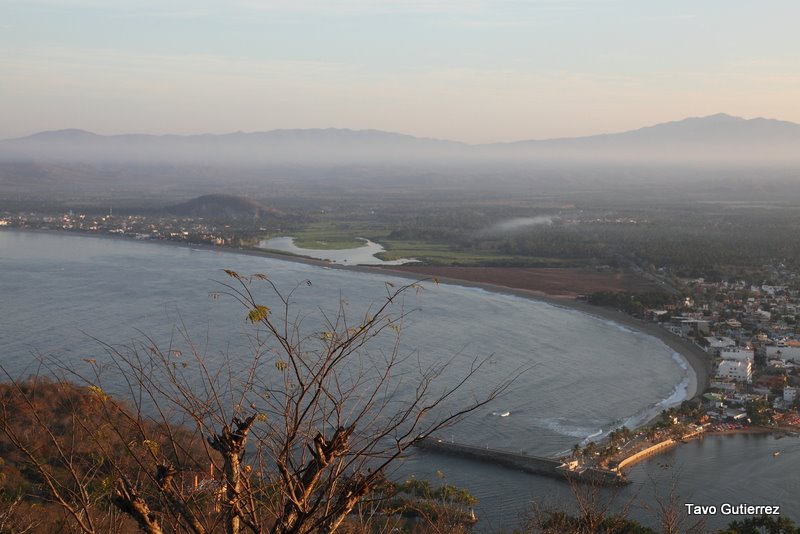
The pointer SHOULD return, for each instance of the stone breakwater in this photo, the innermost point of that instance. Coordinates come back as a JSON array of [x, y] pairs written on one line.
[[523, 462], [646, 453]]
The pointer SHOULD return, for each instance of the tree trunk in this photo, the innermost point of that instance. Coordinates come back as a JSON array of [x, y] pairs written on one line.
[[232, 489], [128, 500], [231, 443]]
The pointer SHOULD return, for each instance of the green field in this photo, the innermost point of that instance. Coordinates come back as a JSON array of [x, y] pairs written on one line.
[[334, 236]]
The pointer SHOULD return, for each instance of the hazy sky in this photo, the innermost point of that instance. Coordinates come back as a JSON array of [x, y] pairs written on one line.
[[472, 70]]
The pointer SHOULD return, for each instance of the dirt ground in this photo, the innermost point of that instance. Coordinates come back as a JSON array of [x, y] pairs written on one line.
[[550, 281]]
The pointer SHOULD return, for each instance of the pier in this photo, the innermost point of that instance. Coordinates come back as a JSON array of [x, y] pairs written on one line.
[[523, 462]]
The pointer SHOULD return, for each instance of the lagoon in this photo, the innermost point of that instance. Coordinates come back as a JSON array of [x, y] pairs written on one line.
[[364, 255]]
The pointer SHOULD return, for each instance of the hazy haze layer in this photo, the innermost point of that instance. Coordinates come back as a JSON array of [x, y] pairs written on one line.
[[474, 70]]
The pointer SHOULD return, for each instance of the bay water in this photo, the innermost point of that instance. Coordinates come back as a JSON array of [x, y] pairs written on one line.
[[61, 294]]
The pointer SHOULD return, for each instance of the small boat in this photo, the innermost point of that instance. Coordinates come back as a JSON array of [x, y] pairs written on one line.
[[776, 453], [505, 414]]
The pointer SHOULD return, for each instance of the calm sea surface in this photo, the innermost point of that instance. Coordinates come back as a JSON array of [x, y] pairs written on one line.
[[60, 292]]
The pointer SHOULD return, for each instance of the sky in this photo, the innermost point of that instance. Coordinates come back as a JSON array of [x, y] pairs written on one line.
[[470, 70]]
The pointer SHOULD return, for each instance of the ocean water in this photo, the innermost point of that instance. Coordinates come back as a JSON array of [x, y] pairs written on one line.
[[61, 294]]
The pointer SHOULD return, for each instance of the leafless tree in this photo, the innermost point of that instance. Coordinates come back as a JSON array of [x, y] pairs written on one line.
[[597, 509], [16, 517], [669, 511], [291, 442]]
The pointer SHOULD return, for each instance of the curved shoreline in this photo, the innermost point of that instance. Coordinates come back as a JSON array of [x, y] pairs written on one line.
[[695, 357]]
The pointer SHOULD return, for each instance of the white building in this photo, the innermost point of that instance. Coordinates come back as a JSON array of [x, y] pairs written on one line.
[[716, 344], [723, 385], [735, 354], [697, 326], [789, 394], [739, 370]]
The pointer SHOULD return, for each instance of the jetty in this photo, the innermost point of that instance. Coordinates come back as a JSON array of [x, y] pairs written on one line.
[[549, 467]]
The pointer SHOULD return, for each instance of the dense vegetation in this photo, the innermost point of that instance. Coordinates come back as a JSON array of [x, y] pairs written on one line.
[[690, 240]]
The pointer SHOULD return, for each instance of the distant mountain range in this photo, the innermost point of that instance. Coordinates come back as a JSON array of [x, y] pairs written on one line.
[[277, 146], [716, 138]]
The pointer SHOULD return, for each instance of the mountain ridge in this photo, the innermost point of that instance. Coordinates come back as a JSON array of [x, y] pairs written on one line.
[[718, 137], [71, 133]]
